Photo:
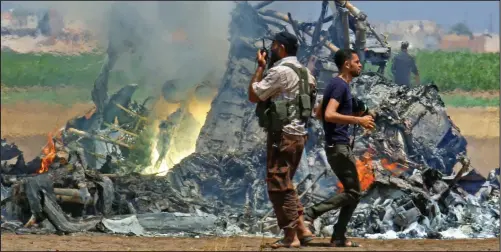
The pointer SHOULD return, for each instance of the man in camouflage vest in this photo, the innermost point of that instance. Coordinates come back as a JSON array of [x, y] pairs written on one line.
[[283, 84]]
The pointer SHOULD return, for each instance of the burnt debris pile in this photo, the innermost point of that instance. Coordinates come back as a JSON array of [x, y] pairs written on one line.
[[413, 168], [423, 205], [415, 125]]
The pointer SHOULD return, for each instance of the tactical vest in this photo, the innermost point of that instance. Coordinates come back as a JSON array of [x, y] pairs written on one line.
[[273, 116]]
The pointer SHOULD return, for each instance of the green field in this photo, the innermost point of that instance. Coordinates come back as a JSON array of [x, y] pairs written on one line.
[[457, 70], [68, 79], [50, 70]]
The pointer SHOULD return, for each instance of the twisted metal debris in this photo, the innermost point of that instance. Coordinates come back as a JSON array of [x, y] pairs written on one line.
[[220, 190]]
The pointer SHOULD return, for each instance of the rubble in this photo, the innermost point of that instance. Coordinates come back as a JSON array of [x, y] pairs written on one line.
[[159, 223], [416, 120], [84, 181], [24, 31], [389, 209]]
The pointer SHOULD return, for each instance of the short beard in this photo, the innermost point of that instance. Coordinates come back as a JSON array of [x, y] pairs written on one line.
[[355, 74], [273, 60]]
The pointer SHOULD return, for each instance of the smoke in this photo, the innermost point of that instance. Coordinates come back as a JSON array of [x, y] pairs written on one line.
[[171, 40]]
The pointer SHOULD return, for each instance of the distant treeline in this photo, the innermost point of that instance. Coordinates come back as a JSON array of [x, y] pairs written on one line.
[[449, 70]]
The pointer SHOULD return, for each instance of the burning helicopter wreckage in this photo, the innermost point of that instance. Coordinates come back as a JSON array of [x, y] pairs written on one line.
[[406, 166]]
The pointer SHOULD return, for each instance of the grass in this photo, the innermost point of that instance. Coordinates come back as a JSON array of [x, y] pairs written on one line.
[[449, 70], [460, 70], [455, 70], [69, 79], [27, 70], [51, 70]]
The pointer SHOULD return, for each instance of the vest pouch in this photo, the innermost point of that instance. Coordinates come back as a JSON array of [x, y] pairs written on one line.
[[262, 113], [278, 115], [305, 106]]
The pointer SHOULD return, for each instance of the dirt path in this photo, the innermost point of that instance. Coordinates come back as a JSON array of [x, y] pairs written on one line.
[[480, 126], [113, 243], [476, 122], [34, 119]]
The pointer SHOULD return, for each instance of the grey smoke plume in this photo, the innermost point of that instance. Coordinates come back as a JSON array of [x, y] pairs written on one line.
[[158, 56]]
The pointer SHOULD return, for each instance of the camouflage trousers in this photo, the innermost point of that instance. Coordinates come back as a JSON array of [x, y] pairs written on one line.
[[284, 152]]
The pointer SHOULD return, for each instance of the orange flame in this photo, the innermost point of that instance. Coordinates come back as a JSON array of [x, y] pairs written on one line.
[[365, 172], [394, 168], [49, 152]]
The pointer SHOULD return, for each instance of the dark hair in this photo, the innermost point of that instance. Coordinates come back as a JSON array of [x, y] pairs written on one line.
[[291, 50], [342, 56], [289, 41], [404, 45]]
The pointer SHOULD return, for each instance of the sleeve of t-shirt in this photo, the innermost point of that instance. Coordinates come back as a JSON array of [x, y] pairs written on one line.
[[337, 91], [269, 85]]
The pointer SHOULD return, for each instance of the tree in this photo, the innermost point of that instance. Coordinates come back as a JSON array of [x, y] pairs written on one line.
[[461, 29]]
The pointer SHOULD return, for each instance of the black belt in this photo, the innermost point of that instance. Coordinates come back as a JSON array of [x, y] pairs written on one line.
[[330, 146]]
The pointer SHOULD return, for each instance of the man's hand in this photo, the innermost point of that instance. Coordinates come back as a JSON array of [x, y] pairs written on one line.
[[261, 58], [258, 75], [367, 122]]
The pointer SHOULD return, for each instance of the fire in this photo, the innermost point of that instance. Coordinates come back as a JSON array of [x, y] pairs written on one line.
[[162, 169], [162, 109], [198, 109], [365, 172], [49, 152], [394, 168]]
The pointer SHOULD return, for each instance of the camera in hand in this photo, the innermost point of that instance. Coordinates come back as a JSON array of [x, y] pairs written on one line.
[[359, 107]]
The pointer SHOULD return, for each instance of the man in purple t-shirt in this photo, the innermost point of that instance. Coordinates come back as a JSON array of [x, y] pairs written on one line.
[[336, 114]]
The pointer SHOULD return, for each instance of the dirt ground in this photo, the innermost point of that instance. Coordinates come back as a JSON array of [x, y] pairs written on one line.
[[28, 124], [12, 242]]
